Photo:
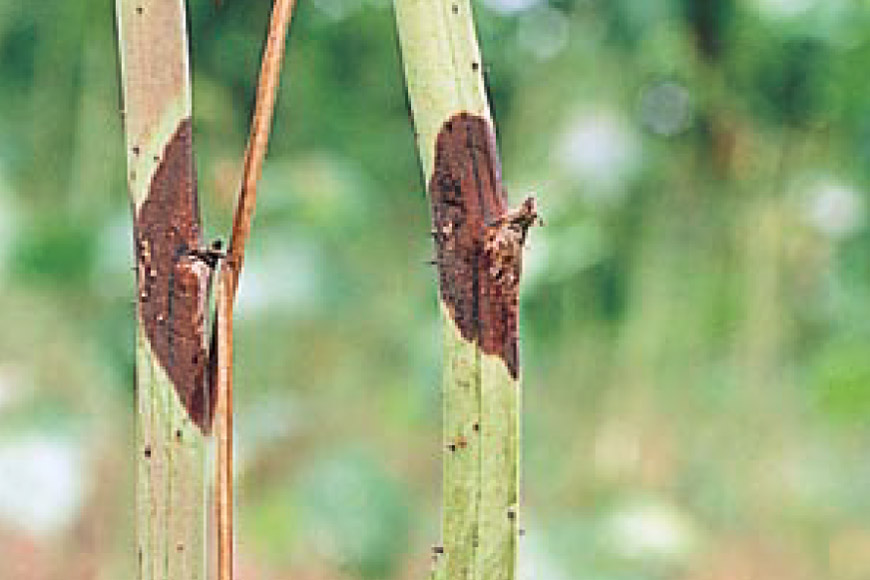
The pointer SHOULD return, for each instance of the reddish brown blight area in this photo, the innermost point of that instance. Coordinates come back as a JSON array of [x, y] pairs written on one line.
[[172, 281], [478, 240]]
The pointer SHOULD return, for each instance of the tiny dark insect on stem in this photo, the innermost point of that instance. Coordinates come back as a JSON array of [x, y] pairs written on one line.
[[210, 255]]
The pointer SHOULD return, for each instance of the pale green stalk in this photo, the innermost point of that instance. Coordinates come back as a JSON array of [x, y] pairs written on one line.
[[170, 449], [443, 72]]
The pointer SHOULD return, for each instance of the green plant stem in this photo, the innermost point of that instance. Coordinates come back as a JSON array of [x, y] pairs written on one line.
[[171, 450], [443, 72]]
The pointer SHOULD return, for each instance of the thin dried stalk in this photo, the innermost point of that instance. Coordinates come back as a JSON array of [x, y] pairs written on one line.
[[223, 426], [258, 142], [230, 270]]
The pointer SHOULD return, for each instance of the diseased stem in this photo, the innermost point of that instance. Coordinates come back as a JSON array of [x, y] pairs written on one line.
[[479, 244], [175, 387], [171, 410]]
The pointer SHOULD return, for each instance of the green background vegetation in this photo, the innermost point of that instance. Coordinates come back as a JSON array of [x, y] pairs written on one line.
[[696, 337]]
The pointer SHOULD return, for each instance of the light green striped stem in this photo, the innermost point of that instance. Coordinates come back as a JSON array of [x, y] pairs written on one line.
[[481, 399], [170, 449]]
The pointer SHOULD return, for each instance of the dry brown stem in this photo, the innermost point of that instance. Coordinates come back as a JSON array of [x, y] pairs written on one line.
[[258, 141]]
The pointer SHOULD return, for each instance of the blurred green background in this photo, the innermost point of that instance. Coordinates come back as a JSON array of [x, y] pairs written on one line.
[[696, 337]]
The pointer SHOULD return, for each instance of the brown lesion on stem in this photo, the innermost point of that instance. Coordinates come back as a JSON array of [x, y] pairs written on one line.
[[479, 241], [172, 278]]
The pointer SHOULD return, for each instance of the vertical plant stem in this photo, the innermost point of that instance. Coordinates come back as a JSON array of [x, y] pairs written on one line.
[[223, 425], [228, 279], [478, 243], [172, 405]]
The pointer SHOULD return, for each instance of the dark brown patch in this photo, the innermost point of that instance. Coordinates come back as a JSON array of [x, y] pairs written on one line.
[[172, 280], [478, 240]]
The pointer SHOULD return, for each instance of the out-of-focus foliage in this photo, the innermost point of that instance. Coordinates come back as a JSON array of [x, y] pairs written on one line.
[[696, 311]]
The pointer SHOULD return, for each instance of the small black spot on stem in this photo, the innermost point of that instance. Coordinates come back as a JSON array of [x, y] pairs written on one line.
[[455, 8], [147, 452]]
